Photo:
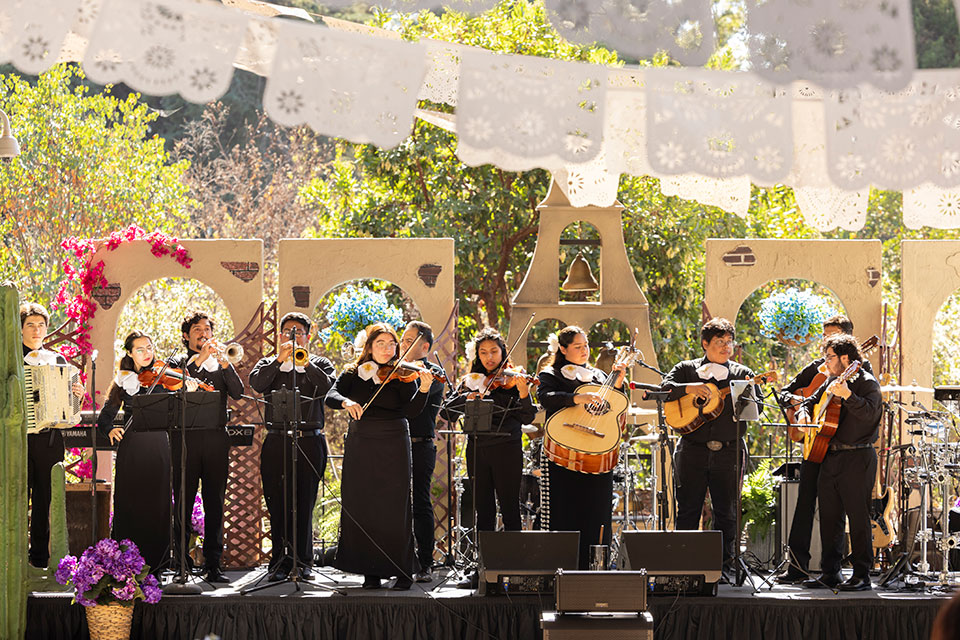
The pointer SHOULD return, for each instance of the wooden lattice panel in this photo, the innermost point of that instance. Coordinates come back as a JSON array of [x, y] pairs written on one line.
[[243, 508]]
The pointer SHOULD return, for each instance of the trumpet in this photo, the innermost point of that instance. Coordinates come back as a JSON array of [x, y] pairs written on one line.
[[300, 357], [232, 353]]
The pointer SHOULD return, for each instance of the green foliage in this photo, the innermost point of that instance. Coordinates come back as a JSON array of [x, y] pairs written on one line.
[[87, 164], [936, 33], [759, 501]]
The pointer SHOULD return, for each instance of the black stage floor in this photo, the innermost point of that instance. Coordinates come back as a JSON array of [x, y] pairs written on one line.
[[788, 613]]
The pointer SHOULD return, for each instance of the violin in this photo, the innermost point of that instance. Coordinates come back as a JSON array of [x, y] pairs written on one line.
[[406, 372], [171, 380], [508, 378]]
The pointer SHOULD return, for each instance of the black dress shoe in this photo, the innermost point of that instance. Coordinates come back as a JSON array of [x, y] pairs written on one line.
[[306, 573], [856, 583], [371, 582], [823, 581], [791, 576], [278, 576], [214, 574], [472, 581], [402, 583]]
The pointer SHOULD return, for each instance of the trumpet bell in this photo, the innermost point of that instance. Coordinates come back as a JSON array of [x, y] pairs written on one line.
[[300, 357], [233, 352]]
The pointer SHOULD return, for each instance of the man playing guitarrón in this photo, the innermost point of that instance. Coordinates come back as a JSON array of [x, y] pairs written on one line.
[[849, 467], [707, 457]]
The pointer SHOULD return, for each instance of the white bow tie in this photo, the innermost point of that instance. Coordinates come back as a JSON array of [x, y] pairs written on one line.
[[129, 382], [40, 358], [474, 382], [712, 370], [288, 366], [209, 365], [368, 371], [576, 372]]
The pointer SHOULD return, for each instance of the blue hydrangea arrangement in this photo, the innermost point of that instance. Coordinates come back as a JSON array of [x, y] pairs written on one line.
[[354, 309], [794, 315], [109, 572]]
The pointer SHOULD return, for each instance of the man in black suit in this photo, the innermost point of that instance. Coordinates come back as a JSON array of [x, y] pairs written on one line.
[[208, 449]]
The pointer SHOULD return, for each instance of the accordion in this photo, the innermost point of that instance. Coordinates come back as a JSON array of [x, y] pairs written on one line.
[[50, 401]]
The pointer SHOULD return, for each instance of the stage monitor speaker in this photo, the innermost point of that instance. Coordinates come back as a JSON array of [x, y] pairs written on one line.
[[787, 503], [601, 591], [617, 626], [514, 562], [686, 562]]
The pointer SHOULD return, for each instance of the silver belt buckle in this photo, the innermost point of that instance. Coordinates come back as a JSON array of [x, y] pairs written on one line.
[[714, 445]]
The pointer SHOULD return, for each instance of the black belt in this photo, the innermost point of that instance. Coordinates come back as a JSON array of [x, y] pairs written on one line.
[[713, 445], [839, 446], [419, 439]]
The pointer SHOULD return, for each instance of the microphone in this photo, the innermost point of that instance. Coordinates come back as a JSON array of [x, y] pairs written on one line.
[[641, 386], [93, 356]]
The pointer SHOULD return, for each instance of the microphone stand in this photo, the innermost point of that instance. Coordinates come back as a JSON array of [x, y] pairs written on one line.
[[93, 447]]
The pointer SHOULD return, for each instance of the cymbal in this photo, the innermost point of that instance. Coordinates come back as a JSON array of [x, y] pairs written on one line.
[[530, 429], [644, 439], [898, 388], [641, 411]]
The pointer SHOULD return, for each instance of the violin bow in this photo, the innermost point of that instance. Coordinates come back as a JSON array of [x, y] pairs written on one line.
[[506, 357], [392, 371]]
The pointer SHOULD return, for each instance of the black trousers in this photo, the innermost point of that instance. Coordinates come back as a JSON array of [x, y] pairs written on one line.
[[496, 470], [424, 460], [208, 460], [43, 451], [276, 459], [801, 528], [698, 469], [846, 480]]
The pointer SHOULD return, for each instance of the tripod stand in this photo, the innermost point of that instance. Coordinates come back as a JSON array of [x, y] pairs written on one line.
[[287, 419]]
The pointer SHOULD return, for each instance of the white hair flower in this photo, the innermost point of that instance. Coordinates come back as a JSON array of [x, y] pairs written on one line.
[[360, 339], [553, 343], [471, 351]]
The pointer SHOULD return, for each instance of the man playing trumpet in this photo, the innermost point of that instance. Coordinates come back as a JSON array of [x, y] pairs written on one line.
[[313, 376], [208, 449]]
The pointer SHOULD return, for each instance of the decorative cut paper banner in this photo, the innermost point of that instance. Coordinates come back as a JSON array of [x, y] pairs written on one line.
[[33, 31], [521, 112], [717, 124], [834, 43], [896, 141], [316, 80], [731, 194], [165, 47], [830, 208], [639, 28], [931, 206]]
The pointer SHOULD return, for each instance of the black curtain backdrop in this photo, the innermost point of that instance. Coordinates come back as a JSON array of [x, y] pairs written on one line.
[[52, 617]]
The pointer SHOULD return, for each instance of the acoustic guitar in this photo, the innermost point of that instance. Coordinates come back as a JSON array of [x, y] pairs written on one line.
[[586, 437], [827, 419], [796, 434], [690, 412]]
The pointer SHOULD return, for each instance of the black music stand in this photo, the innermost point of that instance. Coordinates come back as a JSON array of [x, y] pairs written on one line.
[[171, 412]]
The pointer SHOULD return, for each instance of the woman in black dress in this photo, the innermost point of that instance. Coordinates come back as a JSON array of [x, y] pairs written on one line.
[[376, 518], [142, 492], [495, 459], [574, 501]]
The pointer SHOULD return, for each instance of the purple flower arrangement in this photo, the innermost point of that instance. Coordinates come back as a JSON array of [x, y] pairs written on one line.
[[196, 518], [108, 572]]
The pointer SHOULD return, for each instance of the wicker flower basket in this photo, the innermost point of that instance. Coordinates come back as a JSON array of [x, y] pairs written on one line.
[[109, 621], [794, 343]]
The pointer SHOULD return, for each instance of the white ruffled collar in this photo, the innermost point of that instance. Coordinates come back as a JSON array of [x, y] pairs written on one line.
[[41, 358], [209, 365], [712, 370], [129, 382], [576, 372]]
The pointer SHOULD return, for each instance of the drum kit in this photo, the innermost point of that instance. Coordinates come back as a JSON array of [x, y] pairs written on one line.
[[931, 469]]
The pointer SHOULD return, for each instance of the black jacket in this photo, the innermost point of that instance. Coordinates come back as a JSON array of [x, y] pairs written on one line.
[[556, 392], [313, 384], [225, 380], [722, 427], [423, 424], [510, 413], [396, 400], [859, 414]]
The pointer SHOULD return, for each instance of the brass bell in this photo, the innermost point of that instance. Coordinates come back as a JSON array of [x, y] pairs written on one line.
[[580, 277]]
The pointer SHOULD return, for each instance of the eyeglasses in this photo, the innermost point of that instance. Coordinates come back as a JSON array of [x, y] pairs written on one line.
[[725, 344]]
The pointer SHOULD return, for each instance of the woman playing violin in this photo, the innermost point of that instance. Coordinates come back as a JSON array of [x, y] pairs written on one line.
[[141, 499], [495, 460], [376, 523], [574, 501]]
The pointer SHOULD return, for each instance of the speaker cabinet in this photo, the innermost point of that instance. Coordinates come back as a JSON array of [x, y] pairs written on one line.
[[676, 561], [617, 626], [525, 561], [601, 591]]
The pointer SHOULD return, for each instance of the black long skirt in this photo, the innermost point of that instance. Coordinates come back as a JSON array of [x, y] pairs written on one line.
[[142, 495], [376, 520], [579, 502]]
